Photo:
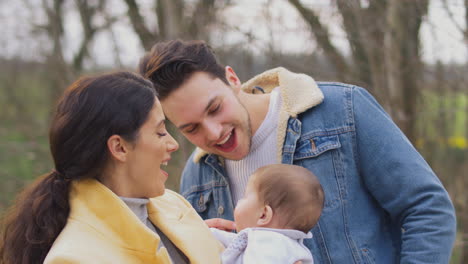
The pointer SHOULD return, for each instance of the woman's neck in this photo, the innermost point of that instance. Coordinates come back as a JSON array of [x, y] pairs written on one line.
[[116, 179]]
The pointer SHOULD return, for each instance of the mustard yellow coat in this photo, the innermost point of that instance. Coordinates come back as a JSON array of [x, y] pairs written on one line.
[[102, 229]]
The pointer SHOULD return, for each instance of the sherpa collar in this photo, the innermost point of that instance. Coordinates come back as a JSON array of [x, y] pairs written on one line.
[[299, 92]]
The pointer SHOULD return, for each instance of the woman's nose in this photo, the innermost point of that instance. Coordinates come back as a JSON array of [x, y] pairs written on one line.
[[172, 144]]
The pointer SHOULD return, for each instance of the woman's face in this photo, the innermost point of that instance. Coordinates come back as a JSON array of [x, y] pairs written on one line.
[[149, 154]]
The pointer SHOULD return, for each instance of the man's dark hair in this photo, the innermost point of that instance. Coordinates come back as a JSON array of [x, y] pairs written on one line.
[[169, 64]]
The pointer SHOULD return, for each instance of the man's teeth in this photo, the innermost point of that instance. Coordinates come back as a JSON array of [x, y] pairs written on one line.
[[164, 163], [225, 139]]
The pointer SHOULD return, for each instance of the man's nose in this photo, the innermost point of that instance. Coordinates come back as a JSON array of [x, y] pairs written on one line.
[[213, 130]]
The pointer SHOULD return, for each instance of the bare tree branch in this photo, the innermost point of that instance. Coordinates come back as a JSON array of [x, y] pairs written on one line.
[[170, 18], [368, 42], [352, 21], [147, 37], [404, 60], [466, 25], [451, 16], [109, 21], [56, 60], [86, 14], [323, 37], [196, 27]]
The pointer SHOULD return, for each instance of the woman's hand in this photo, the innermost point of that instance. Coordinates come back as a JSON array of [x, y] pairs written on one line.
[[221, 224]]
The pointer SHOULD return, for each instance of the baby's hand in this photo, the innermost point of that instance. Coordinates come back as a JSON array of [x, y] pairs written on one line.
[[221, 224]]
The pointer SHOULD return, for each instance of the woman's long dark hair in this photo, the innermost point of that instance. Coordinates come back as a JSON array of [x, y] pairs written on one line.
[[91, 110]]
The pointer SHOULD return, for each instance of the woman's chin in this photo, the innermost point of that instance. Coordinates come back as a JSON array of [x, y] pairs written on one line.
[[158, 192]]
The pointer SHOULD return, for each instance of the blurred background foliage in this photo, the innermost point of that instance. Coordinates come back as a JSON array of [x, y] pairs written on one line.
[[396, 49]]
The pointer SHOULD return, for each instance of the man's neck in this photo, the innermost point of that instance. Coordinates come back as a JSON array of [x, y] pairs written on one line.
[[257, 107]]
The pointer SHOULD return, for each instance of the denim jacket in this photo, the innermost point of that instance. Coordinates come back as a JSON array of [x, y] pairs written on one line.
[[383, 203]]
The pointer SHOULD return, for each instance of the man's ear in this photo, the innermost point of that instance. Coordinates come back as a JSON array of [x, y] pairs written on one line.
[[232, 78], [118, 147], [266, 217]]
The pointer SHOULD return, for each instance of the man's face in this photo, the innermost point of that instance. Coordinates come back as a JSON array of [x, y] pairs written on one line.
[[209, 114]]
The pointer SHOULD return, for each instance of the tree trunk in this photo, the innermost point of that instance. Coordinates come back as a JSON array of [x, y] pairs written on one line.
[[402, 57], [147, 37], [385, 52], [322, 37], [62, 75], [170, 18]]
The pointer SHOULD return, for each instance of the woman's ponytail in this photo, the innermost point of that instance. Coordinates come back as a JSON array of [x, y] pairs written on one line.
[[32, 225]]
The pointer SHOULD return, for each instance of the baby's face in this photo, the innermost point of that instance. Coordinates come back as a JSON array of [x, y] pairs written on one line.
[[249, 209]]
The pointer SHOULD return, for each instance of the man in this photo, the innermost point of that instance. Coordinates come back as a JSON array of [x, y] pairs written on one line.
[[383, 203]]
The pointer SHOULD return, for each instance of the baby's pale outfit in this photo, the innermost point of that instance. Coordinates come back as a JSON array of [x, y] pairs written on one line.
[[264, 246]]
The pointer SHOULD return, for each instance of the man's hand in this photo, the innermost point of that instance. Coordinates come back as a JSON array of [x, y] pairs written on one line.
[[221, 224]]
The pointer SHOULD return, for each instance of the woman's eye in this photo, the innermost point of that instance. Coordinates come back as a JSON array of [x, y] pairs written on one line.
[[161, 134]]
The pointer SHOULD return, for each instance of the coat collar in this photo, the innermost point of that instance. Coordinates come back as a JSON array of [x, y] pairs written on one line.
[[176, 218], [299, 92], [94, 204]]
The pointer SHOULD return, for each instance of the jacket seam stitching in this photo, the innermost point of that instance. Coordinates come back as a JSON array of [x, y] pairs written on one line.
[[202, 188], [333, 132]]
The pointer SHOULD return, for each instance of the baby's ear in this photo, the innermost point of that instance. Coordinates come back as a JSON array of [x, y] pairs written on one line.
[[266, 218]]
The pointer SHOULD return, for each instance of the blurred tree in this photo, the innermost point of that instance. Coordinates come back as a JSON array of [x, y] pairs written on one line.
[[55, 58], [451, 16], [88, 10], [175, 19], [53, 28], [442, 140], [385, 51], [447, 150]]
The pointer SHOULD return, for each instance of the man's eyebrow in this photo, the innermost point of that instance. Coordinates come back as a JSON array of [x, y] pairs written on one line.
[[184, 126], [210, 103], [161, 122]]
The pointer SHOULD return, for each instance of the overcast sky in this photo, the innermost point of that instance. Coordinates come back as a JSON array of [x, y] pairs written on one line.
[[441, 38]]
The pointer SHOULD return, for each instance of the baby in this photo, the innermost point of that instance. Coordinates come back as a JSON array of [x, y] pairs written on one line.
[[280, 205]]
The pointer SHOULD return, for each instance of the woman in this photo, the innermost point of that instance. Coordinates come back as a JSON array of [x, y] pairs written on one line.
[[109, 142]]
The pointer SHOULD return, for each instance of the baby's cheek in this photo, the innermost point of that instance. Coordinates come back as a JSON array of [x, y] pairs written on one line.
[[238, 216]]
